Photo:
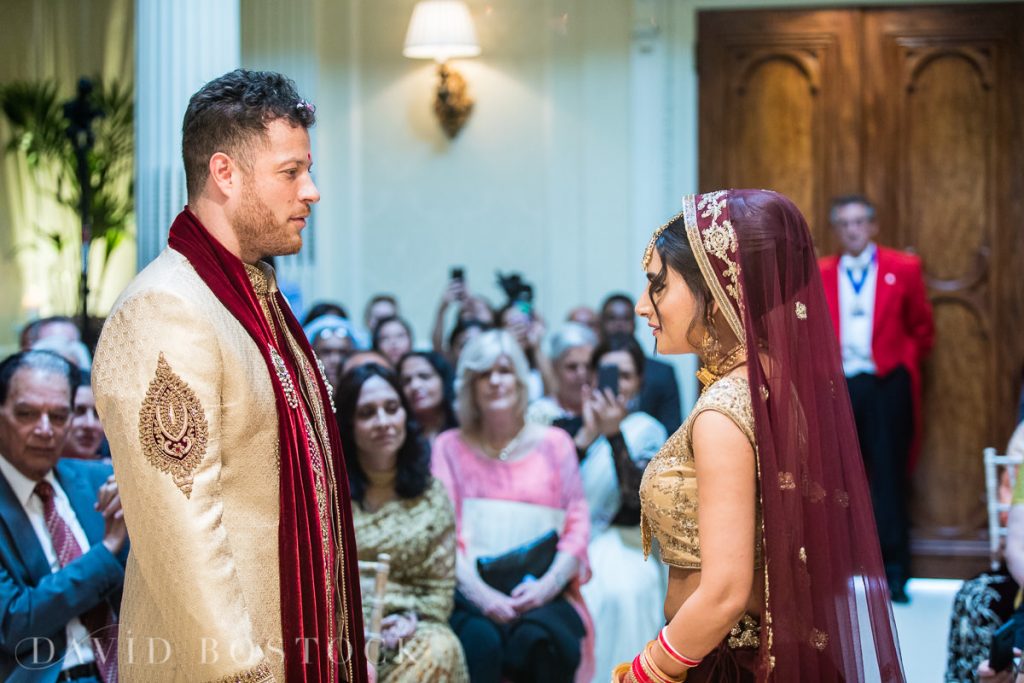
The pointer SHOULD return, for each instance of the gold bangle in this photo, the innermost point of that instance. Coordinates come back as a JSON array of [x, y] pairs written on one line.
[[647, 661]]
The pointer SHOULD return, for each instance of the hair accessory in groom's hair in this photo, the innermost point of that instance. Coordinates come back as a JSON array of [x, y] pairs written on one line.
[[303, 104]]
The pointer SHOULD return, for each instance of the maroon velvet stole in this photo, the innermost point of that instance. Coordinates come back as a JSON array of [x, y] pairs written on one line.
[[316, 647]]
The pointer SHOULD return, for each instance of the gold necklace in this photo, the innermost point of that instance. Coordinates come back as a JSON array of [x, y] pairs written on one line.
[[715, 369]]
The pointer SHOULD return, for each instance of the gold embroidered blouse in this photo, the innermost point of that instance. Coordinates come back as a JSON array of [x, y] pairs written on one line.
[[668, 492]]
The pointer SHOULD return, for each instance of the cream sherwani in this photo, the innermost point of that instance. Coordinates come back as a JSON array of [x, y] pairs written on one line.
[[201, 593]]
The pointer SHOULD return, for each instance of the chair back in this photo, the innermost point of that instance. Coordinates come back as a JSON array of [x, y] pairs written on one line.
[[376, 573], [997, 509]]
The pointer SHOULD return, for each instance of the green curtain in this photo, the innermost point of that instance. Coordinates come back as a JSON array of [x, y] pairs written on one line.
[[61, 40]]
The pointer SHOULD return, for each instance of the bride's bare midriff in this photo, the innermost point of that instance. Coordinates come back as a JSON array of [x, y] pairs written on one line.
[[683, 582]]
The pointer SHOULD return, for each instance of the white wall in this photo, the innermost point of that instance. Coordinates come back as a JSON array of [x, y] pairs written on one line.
[[539, 180], [583, 140]]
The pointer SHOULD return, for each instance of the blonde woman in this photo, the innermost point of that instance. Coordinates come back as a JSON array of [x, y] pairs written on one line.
[[516, 490]]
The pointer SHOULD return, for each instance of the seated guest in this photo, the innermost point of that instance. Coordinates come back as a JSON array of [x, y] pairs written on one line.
[[63, 546], [358, 358], [659, 396], [463, 331], [513, 483], [571, 347], [470, 307], [586, 316], [71, 350], [332, 339], [400, 509], [625, 593], [427, 385], [379, 306], [85, 435], [59, 326], [528, 331], [393, 338], [984, 603], [324, 308]]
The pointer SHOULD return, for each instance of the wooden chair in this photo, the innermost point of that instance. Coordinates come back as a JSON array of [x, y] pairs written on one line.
[[996, 528], [377, 572]]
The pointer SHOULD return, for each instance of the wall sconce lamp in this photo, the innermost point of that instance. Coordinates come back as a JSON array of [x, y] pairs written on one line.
[[442, 30]]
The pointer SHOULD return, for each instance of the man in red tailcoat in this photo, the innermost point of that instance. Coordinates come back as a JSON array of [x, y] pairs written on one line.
[[883, 321]]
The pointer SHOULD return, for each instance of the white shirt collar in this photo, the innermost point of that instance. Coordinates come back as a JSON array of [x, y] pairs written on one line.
[[862, 260], [22, 486]]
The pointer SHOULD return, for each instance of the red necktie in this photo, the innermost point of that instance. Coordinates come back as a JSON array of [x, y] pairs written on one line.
[[100, 620]]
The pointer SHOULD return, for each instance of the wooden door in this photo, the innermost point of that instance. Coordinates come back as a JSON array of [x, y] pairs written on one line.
[[776, 109], [922, 109]]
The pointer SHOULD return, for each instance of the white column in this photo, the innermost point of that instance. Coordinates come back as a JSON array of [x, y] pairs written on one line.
[[179, 45], [281, 36]]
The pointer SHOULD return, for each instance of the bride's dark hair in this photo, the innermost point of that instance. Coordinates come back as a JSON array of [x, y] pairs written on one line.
[[674, 251]]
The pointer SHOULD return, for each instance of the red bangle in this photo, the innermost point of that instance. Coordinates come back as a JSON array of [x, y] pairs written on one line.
[[671, 651], [651, 669], [638, 671]]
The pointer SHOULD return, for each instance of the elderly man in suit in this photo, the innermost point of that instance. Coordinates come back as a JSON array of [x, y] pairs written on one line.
[[63, 540], [883, 320]]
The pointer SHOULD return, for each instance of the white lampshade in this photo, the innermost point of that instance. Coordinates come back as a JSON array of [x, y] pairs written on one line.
[[441, 30]]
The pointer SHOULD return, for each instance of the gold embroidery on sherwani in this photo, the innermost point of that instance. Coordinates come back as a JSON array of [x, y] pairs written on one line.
[[308, 384], [261, 288], [322, 508], [259, 674], [328, 508], [172, 426], [285, 378], [327, 382]]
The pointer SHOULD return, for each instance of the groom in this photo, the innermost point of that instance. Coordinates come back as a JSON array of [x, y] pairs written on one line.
[[243, 563]]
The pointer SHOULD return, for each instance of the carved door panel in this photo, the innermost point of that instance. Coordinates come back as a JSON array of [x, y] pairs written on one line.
[[946, 163], [775, 105], [922, 109]]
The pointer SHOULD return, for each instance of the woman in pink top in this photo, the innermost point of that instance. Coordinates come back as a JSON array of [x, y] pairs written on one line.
[[511, 483]]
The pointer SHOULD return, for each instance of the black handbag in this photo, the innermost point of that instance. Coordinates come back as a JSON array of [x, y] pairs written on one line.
[[506, 571]]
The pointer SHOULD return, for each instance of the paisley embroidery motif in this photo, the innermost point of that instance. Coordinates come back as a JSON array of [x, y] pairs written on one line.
[[172, 426]]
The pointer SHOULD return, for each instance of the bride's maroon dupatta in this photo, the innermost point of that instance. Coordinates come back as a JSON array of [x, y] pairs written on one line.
[[315, 648]]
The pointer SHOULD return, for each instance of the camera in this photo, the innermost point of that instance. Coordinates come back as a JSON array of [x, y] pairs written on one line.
[[518, 291]]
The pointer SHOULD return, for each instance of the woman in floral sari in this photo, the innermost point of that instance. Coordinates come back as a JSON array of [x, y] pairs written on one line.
[[399, 509]]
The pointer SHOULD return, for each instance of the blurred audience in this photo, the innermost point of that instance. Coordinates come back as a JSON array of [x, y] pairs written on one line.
[[358, 358], [570, 348], [379, 306], [985, 602], [324, 308], [528, 331], [464, 331], [428, 387], [64, 543], [59, 326], [393, 338], [625, 593], [398, 508], [470, 307], [659, 395], [333, 339], [586, 316], [71, 350], [85, 435], [518, 496]]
